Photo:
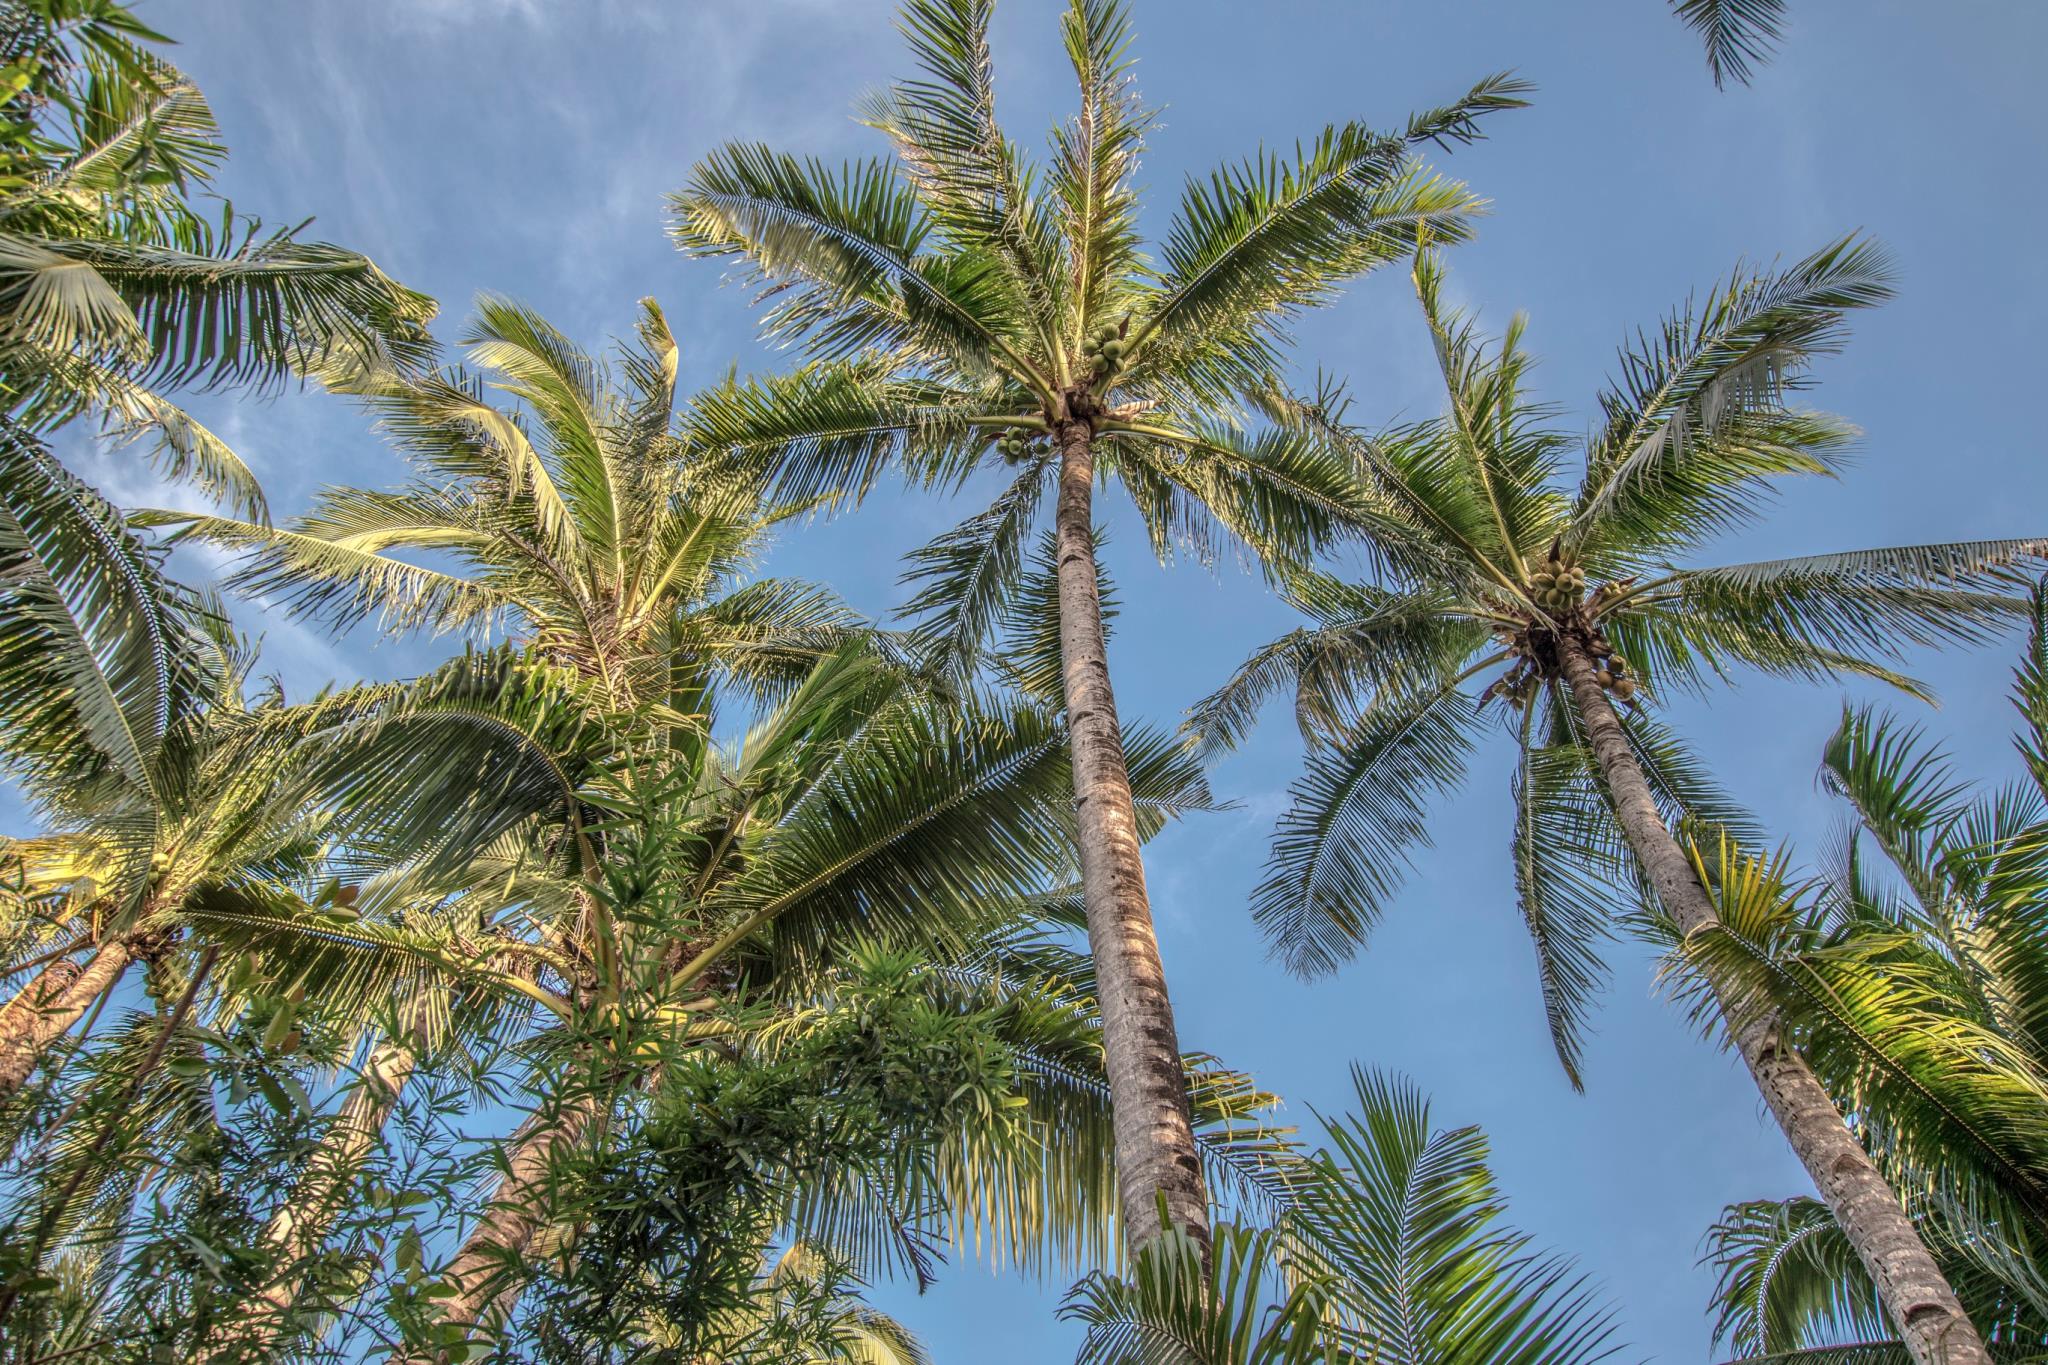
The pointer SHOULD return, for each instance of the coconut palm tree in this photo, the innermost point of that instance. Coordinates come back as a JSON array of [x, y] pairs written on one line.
[[569, 519], [1570, 601], [862, 805], [1916, 977], [1389, 1250], [963, 306]]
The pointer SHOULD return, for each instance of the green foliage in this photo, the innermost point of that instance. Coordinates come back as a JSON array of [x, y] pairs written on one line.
[[1487, 562], [1388, 1248], [1911, 973]]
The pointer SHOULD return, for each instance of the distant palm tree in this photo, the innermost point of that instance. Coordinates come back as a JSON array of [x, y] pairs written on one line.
[[1389, 1252], [965, 306], [1491, 565]]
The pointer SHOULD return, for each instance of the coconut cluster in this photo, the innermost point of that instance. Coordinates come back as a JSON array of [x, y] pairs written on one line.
[[1558, 587], [1104, 351], [1015, 447]]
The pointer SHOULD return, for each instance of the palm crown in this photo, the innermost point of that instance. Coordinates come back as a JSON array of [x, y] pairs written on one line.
[[571, 517], [1490, 562], [978, 302]]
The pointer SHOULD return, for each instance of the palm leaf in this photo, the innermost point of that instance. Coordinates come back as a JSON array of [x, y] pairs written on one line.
[[1359, 806]]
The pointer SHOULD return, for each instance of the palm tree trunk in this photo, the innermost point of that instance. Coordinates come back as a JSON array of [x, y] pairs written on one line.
[[484, 1273], [1923, 1307], [296, 1230], [1156, 1157], [44, 1012]]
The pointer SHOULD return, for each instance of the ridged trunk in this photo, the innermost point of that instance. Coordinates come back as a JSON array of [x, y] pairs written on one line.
[[296, 1230], [1923, 1307], [1156, 1155], [484, 1273], [50, 1005]]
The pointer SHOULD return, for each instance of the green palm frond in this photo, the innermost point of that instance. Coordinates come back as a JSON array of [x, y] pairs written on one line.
[[849, 246], [1736, 33], [1695, 423], [99, 652], [967, 577], [1186, 1304], [1259, 242], [1790, 614], [835, 429], [1095, 164], [254, 312], [917, 816], [1571, 874], [323, 571], [1789, 1280], [1029, 623], [1389, 1249], [1359, 806], [1402, 1217], [1365, 641]]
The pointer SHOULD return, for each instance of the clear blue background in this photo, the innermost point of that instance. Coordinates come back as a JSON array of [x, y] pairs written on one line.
[[525, 147]]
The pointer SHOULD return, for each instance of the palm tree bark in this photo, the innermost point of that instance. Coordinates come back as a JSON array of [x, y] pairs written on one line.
[[44, 1012], [296, 1230], [1923, 1306], [485, 1274], [1156, 1157]]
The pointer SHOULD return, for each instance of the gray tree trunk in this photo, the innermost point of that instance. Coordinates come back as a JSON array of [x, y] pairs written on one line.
[[1156, 1156], [53, 1002], [485, 1273], [1923, 1307], [296, 1230]]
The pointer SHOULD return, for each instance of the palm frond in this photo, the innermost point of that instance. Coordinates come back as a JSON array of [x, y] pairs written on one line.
[[1696, 424], [848, 245], [1789, 1280], [1259, 242], [98, 650], [1735, 32], [1340, 849]]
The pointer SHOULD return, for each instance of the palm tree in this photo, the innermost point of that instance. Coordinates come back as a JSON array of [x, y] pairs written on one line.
[[164, 798], [614, 551], [1916, 978], [1486, 564], [570, 518], [958, 312], [861, 806], [1389, 1251]]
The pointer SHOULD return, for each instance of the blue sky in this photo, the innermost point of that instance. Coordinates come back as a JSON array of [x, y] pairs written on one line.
[[524, 147]]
